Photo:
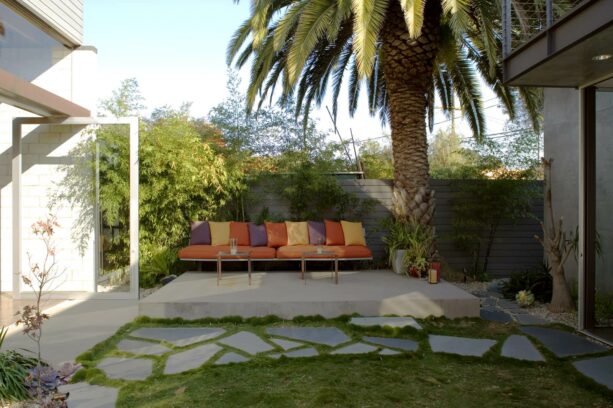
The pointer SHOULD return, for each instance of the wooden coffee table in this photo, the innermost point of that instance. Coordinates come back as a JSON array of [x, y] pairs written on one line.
[[319, 256], [244, 256]]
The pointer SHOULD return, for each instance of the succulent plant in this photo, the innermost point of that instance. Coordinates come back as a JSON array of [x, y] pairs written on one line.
[[524, 298]]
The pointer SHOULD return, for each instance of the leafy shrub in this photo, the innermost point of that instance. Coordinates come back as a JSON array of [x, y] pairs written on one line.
[[161, 263], [14, 369], [536, 280]]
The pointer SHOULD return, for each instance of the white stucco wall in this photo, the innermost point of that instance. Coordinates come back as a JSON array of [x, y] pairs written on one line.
[[45, 149]]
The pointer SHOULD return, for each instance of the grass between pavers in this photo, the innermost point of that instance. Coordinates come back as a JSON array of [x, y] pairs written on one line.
[[422, 378]]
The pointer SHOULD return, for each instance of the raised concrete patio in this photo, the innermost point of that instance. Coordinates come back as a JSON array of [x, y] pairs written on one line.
[[369, 293]]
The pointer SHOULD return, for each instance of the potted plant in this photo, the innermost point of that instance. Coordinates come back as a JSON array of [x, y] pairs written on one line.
[[410, 246]]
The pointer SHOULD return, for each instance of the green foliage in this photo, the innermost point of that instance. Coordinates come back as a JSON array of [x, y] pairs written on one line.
[[417, 239], [313, 193], [376, 160], [160, 263], [536, 280], [13, 372], [182, 178]]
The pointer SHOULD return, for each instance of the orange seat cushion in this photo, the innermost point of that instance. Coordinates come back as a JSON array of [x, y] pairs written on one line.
[[351, 251], [210, 252], [334, 233], [240, 231], [277, 234], [294, 251]]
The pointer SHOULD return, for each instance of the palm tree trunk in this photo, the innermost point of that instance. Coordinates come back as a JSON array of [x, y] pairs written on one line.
[[407, 67]]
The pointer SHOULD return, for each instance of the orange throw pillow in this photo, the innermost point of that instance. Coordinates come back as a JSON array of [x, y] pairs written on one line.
[[240, 231], [277, 234], [334, 233]]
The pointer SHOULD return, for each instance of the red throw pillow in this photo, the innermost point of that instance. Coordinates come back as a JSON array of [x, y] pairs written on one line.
[[277, 234], [240, 231], [334, 233]]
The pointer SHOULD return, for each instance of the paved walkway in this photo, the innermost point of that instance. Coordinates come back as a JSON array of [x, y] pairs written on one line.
[[75, 327], [192, 348]]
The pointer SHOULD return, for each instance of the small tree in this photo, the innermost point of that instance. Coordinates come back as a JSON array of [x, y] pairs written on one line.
[[31, 316], [558, 246]]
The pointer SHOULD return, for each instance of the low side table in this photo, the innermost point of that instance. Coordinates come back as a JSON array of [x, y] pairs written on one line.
[[319, 256], [244, 256]]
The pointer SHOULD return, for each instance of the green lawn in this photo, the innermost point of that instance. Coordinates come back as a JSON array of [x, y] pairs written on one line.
[[422, 379]]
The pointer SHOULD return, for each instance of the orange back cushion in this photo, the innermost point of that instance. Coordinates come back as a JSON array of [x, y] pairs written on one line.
[[277, 234], [240, 231], [334, 233]]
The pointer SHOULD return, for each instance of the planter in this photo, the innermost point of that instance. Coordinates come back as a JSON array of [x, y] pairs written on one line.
[[398, 261]]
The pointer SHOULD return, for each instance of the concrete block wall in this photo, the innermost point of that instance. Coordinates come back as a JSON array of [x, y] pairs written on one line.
[[45, 150]]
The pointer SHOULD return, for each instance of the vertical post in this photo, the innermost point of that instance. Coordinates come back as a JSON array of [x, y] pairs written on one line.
[[16, 189], [507, 28], [97, 226], [134, 217], [587, 207], [549, 11]]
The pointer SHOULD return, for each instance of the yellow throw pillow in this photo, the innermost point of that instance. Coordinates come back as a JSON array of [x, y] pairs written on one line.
[[297, 233], [353, 232], [220, 233]]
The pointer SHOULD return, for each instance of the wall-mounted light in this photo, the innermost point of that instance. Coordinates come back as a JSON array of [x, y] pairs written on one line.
[[601, 57]]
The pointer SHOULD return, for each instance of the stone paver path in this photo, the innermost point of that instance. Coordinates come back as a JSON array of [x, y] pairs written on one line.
[[598, 369], [84, 395], [247, 342], [126, 368], [231, 357], [402, 344], [305, 352], [179, 336], [389, 352], [460, 345], [562, 343], [519, 347], [190, 359], [357, 348], [286, 344], [329, 336], [399, 322], [495, 315], [142, 347], [529, 320]]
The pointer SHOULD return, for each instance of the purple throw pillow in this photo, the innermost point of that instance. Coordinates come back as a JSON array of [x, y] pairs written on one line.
[[201, 233], [317, 233], [257, 235]]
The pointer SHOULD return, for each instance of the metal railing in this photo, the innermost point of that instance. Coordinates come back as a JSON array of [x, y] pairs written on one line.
[[524, 19]]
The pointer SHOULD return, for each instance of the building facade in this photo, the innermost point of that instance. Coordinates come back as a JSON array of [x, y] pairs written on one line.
[[566, 46], [45, 71]]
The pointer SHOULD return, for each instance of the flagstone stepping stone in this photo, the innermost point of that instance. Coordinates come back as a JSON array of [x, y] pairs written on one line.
[[489, 302], [529, 320], [389, 352], [84, 395], [495, 315], [179, 336], [402, 344], [329, 336], [598, 369], [305, 352], [519, 347], [126, 368], [398, 322], [562, 343], [508, 304], [357, 348], [142, 347], [247, 342], [286, 344], [190, 359], [231, 357], [460, 345]]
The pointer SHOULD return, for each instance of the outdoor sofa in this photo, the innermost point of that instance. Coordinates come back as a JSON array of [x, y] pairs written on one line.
[[277, 241]]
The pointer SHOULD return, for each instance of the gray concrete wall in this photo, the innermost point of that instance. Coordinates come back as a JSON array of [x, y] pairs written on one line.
[[561, 118], [515, 247]]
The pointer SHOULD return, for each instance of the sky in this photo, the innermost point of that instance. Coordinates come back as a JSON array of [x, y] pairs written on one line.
[[176, 49]]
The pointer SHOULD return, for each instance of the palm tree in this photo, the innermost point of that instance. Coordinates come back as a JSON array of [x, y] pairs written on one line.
[[403, 51]]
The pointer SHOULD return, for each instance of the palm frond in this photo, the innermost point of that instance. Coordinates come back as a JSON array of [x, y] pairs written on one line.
[[368, 19], [413, 15]]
